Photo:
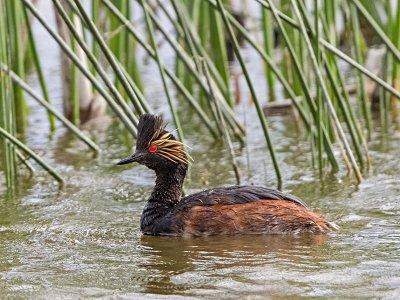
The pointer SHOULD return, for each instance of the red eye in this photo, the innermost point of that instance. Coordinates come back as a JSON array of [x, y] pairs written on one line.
[[153, 148]]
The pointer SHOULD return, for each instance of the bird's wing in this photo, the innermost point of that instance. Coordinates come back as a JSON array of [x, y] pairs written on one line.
[[234, 195]]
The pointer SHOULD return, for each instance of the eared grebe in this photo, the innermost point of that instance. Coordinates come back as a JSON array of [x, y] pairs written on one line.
[[224, 210]]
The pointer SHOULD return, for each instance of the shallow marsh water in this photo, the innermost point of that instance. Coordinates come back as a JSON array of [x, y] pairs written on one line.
[[85, 240]]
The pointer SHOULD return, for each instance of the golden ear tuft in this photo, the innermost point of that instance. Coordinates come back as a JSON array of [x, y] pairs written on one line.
[[171, 149]]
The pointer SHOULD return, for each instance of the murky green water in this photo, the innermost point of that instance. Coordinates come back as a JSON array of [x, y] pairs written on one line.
[[85, 240]]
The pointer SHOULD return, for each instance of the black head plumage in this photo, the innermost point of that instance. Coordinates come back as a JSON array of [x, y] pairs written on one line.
[[149, 128], [155, 141]]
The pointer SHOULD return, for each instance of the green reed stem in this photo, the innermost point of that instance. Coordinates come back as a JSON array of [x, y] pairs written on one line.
[[259, 109], [288, 66], [74, 86], [268, 35], [43, 102], [302, 77], [110, 57], [325, 93], [339, 90], [195, 105], [197, 50], [182, 29], [187, 26], [338, 53], [7, 111], [25, 161], [218, 53], [114, 106], [192, 68], [38, 67], [184, 37], [330, 11], [395, 34], [137, 88], [363, 98], [182, 89], [102, 73], [387, 41], [95, 61], [17, 61], [161, 69], [371, 75], [117, 41], [230, 115], [95, 7], [221, 121], [292, 96], [318, 98], [132, 64]]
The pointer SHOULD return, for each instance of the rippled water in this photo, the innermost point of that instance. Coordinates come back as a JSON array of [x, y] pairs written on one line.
[[85, 239]]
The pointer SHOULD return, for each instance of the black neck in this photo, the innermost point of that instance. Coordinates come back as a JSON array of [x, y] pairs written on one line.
[[168, 188], [166, 193]]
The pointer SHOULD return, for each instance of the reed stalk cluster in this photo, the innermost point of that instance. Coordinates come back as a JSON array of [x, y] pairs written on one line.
[[300, 43]]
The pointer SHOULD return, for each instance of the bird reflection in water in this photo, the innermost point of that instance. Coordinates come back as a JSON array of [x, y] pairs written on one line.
[[170, 257]]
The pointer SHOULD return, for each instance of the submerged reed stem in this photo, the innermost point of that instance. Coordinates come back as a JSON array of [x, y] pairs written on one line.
[[32, 154]]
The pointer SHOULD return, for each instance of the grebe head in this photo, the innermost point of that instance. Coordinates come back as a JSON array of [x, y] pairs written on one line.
[[156, 148]]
